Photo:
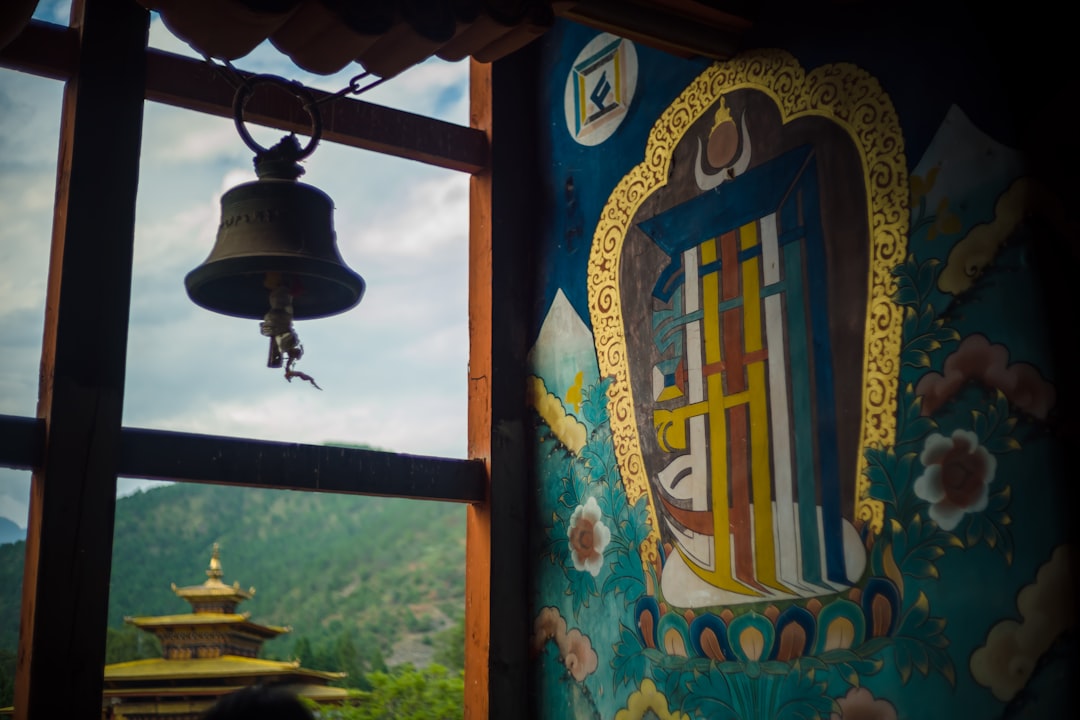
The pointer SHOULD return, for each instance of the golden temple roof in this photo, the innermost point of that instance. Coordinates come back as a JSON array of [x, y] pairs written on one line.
[[226, 666], [238, 620]]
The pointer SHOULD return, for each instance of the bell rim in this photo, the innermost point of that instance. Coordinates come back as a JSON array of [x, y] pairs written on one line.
[[199, 278]]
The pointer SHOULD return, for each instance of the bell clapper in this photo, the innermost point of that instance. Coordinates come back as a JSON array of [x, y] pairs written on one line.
[[284, 342], [289, 343]]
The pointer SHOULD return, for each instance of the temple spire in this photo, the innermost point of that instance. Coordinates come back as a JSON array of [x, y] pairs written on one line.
[[214, 572]]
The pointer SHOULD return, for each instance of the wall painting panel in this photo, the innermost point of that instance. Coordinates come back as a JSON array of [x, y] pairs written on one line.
[[781, 447]]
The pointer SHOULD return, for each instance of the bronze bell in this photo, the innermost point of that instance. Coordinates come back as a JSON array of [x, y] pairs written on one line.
[[275, 232]]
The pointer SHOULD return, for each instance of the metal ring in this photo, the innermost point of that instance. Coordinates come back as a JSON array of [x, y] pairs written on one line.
[[243, 94]]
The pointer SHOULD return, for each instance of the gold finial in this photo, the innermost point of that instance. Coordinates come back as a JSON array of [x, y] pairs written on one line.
[[214, 572], [723, 115]]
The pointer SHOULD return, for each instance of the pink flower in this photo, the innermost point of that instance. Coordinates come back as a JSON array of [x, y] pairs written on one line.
[[957, 474], [860, 704], [588, 538]]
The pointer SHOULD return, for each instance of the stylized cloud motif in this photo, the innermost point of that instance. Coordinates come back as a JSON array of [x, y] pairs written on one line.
[[549, 625], [575, 649], [859, 703], [578, 655], [1007, 658], [570, 431], [976, 359], [970, 256], [648, 702]]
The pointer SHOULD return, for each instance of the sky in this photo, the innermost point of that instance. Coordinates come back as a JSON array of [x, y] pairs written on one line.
[[393, 369]]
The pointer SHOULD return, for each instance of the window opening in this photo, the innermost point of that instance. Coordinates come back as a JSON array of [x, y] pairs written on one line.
[[393, 368], [408, 252]]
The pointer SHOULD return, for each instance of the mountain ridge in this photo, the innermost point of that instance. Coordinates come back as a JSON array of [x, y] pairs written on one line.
[[10, 532], [328, 566]]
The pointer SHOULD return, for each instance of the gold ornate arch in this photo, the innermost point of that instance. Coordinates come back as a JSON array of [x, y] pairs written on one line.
[[855, 101]]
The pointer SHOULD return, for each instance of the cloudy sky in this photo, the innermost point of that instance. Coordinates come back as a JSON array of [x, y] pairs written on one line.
[[393, 369]]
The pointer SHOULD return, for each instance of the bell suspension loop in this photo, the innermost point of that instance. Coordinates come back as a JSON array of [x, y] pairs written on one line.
[[281, 160]]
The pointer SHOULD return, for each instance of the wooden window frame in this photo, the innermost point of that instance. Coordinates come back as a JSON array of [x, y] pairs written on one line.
[[76, 447]]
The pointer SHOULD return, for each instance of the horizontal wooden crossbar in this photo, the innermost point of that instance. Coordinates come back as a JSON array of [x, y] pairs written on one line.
[[186, 457], [22, 442]]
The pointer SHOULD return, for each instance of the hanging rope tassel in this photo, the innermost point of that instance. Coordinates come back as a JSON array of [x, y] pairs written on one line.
[[284, 342]]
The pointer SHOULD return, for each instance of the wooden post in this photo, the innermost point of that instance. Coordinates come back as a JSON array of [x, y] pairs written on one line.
[[72, 497], [478, 524], [503, 229]]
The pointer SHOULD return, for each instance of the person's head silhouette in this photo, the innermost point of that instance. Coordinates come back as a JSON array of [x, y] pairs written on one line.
[[260, 702]]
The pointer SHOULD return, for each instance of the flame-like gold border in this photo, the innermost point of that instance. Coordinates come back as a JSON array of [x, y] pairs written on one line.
[[854, 100]]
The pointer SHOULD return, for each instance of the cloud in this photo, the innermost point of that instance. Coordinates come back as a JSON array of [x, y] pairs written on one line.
[[977, 360], [575, 649], [433, 88], [571, 432], [162, 38], [1023, 200], [54, 11], [1008, 657], [184, 140], [860, 703], [14, 495], [394, 368], [420, 427], [29, 136], [419, 220], [21, 331]]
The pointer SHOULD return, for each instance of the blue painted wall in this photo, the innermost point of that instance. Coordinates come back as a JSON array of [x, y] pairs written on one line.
[[961, 594]]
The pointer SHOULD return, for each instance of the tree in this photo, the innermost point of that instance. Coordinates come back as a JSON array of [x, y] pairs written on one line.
[[450, 646], [349, 662], [376, 661], [129, 643], [302, 651], [405, 693], [7, 678]]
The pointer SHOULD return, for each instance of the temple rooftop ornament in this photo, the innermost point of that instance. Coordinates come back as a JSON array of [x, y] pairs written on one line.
[[214, 595]]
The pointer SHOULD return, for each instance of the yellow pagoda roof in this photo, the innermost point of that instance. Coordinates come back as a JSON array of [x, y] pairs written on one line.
[[322, 693], [226, 666], [319, 693], [205, 618]]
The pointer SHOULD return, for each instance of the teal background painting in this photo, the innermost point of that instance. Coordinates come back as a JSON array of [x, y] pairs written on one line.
[[963, 601]]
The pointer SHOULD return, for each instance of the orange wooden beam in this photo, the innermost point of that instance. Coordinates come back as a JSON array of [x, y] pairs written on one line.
[[478, 525], [504, 230]]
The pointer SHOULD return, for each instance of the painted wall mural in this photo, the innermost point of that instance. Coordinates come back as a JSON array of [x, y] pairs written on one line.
[[793, 408]]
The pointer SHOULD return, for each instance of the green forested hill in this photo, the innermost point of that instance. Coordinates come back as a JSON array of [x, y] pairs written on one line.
[[343, 571]]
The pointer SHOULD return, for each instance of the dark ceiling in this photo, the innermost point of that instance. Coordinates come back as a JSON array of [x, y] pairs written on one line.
[[388, 36], [385, 37]]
